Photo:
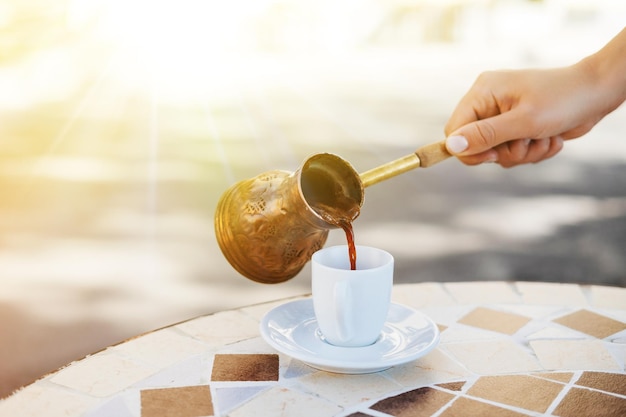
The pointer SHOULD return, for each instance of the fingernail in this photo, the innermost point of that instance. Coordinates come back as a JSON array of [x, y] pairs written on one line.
[[492, 157], [456, 144]]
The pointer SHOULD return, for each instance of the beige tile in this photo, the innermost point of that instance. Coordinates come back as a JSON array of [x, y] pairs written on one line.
[[610, 382], [494, 320], [346, 390], [453, 386], [260, 310], [422, 295], [551, 294], [493, 358], [483, 292], [467, 334], [415, 403], [434, 368], [467, 407], [281, 401], [102, 375], [161, 348], [562, 355], [564, 377], [520, 391], [221, 328], [39, 400], [591, 323], [608, 297], [191, 401], [245, 367], [584, 402]]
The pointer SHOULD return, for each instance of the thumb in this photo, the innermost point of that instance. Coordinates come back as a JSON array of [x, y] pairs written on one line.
[[481, 135]]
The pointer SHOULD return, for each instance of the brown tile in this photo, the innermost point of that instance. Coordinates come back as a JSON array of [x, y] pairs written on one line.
[[453, 386], [245, 367], [497, 321], [591, 323], [521, 391], [584, 402], [564, 377], [604, 381], [416, 403], [193, 401], [466, 407]]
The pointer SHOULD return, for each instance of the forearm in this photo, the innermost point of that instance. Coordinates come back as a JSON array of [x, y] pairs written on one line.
[[608, 70]]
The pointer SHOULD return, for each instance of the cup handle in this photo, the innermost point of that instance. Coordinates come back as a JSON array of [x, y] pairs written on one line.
[[343, 309]]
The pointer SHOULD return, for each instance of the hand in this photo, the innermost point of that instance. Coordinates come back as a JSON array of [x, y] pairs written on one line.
[[523, 116]]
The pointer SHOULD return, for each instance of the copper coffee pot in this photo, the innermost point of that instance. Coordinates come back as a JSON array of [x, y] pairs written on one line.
[[269, 226]]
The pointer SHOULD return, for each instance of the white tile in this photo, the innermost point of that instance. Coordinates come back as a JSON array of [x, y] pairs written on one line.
[[260, 310], [550, 332], [102, 375], [493, 357], [40, 400], [435, 368], [346, 390], [561, 355], [160, 348], [221, 328], [421, 295], [556, 294], [280, 401], [608, 297], [486, 292]]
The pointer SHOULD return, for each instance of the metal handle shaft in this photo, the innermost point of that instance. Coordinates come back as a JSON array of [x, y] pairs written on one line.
[[424, 157]]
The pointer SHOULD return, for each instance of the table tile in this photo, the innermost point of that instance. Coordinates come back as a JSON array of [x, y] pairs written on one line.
[[436, 367], [102, 375], [160, 348], [591, 323], [608, 297], [493, 357], [551, 294], [564, 377], [282, 401], [424, 295], [574, 355], [453, 386], [467, 407], [221, 328], [610, 382], [245, 367], [43, 400], [520, 391], [488, 292], [584, 402], [415, 403], [346, 390], [227, 399], [193, 401], [494, 320]]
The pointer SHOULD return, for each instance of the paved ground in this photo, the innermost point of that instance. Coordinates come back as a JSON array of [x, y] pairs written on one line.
[[109, 193]]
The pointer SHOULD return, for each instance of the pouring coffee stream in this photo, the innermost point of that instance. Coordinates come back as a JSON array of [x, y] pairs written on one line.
[[269, 226]]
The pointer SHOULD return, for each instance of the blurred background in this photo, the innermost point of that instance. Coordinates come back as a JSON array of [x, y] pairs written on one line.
[[123, 121]]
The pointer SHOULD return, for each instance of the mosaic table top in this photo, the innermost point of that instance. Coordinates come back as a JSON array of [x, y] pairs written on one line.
[[506, 349]]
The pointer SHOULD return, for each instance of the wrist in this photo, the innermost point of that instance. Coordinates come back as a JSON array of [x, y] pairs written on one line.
[[607, 71]]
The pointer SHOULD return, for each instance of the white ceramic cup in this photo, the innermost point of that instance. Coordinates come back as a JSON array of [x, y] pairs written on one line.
[[351, 306]]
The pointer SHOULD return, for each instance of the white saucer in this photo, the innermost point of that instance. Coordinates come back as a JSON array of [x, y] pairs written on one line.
[[292, 329]]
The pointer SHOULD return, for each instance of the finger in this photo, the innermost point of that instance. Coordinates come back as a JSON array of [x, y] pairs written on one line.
[[488, 133], [526, 151], [488, 156], [555, 145]]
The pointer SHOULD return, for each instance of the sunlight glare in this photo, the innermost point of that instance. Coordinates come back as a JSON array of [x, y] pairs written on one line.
[[186, 45]]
